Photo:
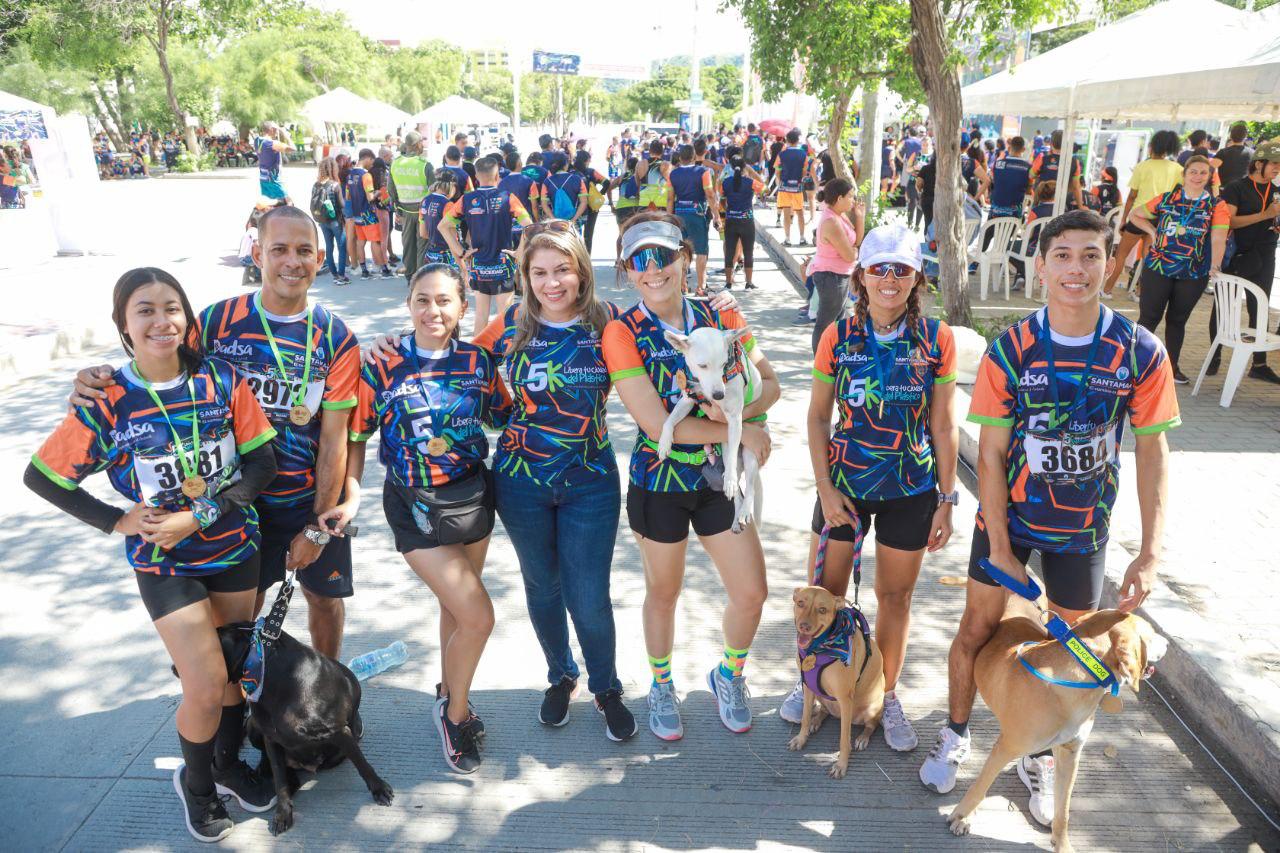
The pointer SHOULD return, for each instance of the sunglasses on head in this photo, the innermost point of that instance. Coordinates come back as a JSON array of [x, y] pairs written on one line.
[[548, 225], [898, 270], [659, 255]]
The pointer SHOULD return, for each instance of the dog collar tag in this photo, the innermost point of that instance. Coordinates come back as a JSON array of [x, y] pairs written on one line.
[[808, 663], [1112, 704]]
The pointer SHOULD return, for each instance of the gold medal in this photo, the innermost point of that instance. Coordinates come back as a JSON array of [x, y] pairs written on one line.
[[300, 415], [437, 446], [194, 486]]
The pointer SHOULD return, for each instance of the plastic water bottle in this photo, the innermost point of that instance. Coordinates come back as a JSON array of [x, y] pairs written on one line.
[[369, 664]]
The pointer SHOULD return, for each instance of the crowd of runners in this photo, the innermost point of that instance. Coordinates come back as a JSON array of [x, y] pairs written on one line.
[[237, 434]]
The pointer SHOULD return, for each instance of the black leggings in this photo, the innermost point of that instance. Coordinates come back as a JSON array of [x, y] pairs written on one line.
[[739, 232], [1172, 298], [589, 228]]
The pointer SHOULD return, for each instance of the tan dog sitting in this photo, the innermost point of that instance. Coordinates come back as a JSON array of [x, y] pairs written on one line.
[[841, 666], [1035, 715]]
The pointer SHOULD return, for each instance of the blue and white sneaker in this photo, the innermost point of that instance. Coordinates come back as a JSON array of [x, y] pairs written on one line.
[[731, 698], [664, 712], [792, 709]]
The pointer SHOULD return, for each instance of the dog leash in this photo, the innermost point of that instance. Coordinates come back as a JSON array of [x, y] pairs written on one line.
[[1060, 631], [265, 633], [820, 559]]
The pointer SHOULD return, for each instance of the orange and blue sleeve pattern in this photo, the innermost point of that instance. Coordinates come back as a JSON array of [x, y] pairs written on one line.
[[621, 355], [824, 360], [945, 371], [1154, 405], [74, 450], [731, 318], [992, 403], [248, 421]]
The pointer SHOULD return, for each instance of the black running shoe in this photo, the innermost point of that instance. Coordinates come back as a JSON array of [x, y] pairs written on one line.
[[477, 724], [253, 792], [1265, 373], [365, 274], [1179, 377], [555, 702], [752, 286], [1213, 368], [619, 723], [206, 817], [457, 742]]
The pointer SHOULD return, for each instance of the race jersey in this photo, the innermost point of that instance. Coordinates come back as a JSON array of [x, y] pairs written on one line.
[[489, 214], [557, 434], [430, 214], [1183, 233], [882, 448], [1045, 167], [563, 190], [524, 188], [1063, 480], [417, 396], [356, 195], [738, 202], [910, 148], [537, 174], [232, 330], [268, 161], [691, 185], [634, 345], [1010, 178], [551, 158], [461, 180], [129, 437], [791, 164]]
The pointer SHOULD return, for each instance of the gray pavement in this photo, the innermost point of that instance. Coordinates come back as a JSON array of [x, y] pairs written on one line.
[[90, 701]]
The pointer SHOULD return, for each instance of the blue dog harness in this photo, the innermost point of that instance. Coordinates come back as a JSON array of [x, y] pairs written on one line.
[[253, 674], [1060, 631]]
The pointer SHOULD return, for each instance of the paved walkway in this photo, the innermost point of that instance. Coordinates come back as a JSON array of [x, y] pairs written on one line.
[[88, 688]]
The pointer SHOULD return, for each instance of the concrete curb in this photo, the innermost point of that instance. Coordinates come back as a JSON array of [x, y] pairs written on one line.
[[1224, 702]]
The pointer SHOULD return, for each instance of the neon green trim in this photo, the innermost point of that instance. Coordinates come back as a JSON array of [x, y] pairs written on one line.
[[818, 374], [985, 421], [358, 437], [751, 344], [626, 374], [942, 380], [1219, 227], [698, 458], [58, 479], [1160, 427], [334, 405], [254, 443]]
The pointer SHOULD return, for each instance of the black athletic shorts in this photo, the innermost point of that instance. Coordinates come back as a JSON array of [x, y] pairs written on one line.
[[1073, 581], [408, 536], [1130, 228], [901, 523], [329, 576], [666, 516], [165, 594], [494, 288]]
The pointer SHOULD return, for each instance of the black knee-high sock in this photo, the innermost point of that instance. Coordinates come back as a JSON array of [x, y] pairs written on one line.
[[199, 761], [230, 735]]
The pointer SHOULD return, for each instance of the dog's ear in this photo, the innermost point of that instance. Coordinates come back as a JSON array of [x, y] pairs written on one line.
[[677, 340], [736, 335], [841, 603], [795, 596], [1129, 652]]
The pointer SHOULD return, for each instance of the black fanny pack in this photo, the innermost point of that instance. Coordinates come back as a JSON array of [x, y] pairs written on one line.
[[456, 513]]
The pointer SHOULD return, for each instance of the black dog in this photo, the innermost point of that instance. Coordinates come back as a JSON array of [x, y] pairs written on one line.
[[307, 716]]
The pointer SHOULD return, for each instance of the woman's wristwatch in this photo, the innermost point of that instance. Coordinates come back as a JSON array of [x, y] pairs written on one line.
[[952, 498], [316, 536]]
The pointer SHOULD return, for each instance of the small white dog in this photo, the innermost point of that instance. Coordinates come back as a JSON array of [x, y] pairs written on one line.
[[711, 356]]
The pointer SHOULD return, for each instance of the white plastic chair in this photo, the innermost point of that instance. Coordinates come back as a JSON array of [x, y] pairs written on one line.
[[1003, 230], [972, 227], [1113, 219], [1030, 248], [1229, 297]]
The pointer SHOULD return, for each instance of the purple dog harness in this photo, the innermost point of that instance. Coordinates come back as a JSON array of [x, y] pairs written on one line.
[[836, 643]]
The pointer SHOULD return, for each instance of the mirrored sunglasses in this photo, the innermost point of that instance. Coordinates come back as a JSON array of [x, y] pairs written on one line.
[[659, 255], [898, 270]]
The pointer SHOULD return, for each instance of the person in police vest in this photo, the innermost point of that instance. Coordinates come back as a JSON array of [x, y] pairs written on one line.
[[411, 176]]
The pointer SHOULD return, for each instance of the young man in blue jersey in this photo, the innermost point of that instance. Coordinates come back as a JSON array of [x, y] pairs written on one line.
[[1009, 181], [790, 165]]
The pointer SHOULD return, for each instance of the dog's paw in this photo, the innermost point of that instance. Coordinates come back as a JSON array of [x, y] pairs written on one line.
[[664, 444], [282, 821], [958, 825], [861, 741], [838, 769], [1062, 845], [797, 743], [819, 718], [382, 793]]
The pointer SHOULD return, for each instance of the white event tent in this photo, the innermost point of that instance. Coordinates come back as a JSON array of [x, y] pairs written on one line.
[[457, 110], [342, 106], [1135, 69]]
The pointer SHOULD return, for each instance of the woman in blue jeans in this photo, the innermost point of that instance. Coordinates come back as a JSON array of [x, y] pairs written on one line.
[[327, 208]]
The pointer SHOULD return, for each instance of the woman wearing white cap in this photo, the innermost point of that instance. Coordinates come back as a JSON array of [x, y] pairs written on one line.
[[645, 352], [892, 456]]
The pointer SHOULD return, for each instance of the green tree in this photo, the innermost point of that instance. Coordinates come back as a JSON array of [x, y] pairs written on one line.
[[723, 87], [262, 77], [493, 87], [655, 98], [423, 76]]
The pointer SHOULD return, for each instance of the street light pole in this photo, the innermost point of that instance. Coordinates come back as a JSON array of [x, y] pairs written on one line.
[[695, 71]]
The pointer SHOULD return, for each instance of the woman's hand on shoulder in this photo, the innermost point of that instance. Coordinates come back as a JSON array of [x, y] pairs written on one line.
[[89, 384], [384, 346], [723, 301]]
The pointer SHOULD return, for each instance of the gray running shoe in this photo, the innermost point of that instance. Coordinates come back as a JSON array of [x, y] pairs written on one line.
[[731, 698], [664, 712], [792, 709], [898, 732]]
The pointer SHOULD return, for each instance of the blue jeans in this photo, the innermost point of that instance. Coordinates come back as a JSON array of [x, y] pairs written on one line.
[[564, 539], [333, 232]]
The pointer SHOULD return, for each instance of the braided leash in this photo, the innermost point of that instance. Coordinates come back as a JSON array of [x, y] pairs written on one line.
[[820, 559]]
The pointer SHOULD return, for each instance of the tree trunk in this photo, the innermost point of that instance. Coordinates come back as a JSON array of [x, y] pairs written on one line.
[[930, 49], [869, 140], [161, 45], [835, 130], [123, 113], [106, 117]]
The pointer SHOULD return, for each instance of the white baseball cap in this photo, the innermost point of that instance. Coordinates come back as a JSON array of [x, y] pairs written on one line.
[[893, 243], [650, 233]]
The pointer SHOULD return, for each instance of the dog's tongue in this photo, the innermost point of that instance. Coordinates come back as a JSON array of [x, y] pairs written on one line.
[[803, 640]]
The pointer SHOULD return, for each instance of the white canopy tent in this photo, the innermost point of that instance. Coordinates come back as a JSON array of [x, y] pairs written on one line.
[[342, 106], [1131, 70], [457, 110]]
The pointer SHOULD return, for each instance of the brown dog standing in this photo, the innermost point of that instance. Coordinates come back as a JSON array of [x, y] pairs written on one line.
[[854, 689], [1035, 715]]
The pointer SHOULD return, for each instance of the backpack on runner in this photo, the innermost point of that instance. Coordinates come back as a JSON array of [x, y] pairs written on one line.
[[562, 207], [321, 203]]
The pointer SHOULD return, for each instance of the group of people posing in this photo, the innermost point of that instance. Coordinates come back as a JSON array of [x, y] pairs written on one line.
[[238, 435]]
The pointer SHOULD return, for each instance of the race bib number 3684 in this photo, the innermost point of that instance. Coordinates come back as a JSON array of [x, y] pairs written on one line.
[[1071, 458]]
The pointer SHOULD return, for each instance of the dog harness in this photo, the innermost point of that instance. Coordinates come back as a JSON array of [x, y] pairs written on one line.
[[253, 672], [1060, 631], [834, 644]]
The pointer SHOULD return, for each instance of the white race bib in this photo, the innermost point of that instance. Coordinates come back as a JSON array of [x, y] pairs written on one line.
[[1070, 459], [276, 396], [160, 477]]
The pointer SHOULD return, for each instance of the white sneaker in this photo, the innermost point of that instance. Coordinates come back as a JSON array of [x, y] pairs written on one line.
[[1037, 775], [938, 772], [792, 709], [664, 712], [731, 700], [898, 733]]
